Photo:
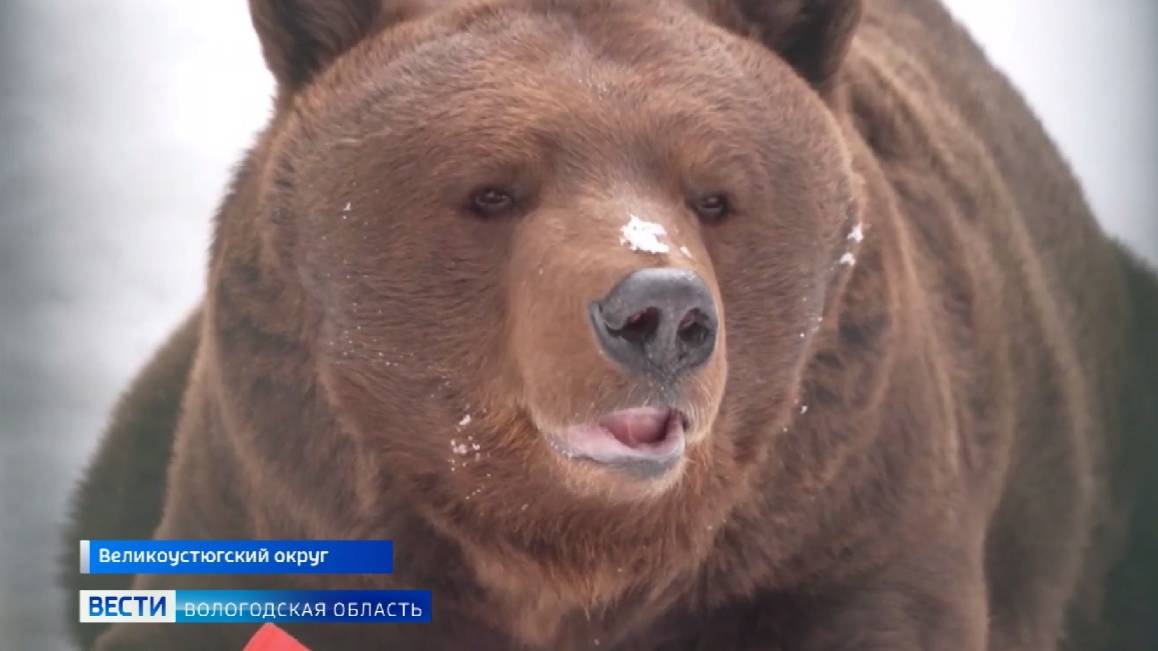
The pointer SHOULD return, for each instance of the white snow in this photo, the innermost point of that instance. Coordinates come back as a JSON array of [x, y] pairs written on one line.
[[465, 421], [848, 259], [857, 234], [803, 409], [640, 235], [684, 250]]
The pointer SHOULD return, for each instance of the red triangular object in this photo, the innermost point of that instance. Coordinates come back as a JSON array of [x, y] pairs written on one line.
[[272, 638]]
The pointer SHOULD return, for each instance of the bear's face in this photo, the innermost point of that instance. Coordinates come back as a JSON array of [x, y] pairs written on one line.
[[566, 262]]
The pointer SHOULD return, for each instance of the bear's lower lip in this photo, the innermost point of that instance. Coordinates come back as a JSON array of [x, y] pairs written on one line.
[[646, 441]]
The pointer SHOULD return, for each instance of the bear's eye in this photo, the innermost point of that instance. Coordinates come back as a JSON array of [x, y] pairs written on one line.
[[712, 208], [491, 202]]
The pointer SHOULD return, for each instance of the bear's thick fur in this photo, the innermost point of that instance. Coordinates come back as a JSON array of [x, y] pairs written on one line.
[[925, 424]]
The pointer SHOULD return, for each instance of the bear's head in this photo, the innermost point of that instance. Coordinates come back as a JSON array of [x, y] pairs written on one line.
[[562, 260]]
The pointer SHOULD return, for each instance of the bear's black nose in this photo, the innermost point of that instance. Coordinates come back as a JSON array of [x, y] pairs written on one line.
[[660, 321]]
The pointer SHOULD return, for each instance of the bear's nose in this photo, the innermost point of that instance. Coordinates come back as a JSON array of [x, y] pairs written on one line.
[[660, 321]]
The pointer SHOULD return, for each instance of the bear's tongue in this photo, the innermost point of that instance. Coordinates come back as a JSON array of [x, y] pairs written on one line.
[[645, 439], [639, 426]]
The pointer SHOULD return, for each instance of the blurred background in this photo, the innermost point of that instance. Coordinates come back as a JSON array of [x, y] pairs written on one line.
[[120, 121]]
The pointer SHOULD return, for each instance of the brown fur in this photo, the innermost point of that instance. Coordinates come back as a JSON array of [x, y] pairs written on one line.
[[123, 490], [914, 451]]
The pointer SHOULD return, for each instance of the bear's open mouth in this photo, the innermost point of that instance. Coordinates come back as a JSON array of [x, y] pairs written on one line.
[[643, 440]]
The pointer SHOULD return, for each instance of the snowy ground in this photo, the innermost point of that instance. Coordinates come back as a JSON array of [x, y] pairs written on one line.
[[117, 134]]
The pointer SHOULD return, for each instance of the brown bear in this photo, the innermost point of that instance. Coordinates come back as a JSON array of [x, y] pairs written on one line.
[[687, 324]]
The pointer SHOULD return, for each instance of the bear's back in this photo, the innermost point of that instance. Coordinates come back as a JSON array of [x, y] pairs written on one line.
[[987, 135], [986, 190]]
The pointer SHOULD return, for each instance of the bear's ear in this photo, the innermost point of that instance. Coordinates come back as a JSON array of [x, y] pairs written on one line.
[[813, 36], [300, 37]]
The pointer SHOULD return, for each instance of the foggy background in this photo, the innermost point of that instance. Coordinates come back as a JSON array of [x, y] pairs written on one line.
[[120, 121]]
